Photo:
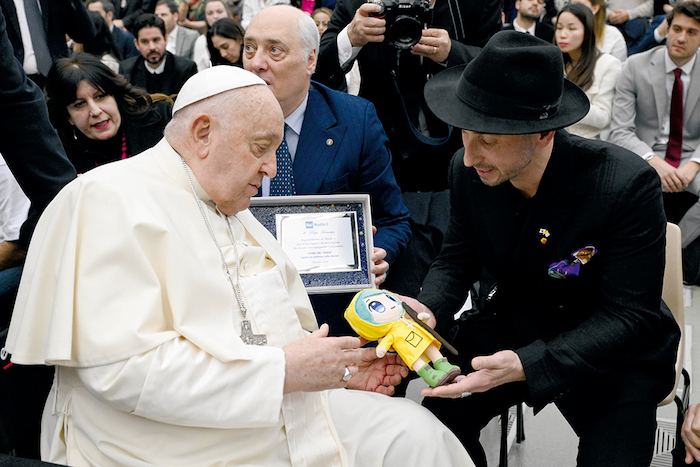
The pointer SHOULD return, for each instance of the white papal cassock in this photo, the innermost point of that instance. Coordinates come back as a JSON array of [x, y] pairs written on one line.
[[124, 292]]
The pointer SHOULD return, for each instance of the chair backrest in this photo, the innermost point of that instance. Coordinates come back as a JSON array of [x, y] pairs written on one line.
[[672, 294]]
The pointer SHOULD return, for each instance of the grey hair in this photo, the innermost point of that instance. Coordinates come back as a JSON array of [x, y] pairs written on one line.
[[308, 34], [220, 106]]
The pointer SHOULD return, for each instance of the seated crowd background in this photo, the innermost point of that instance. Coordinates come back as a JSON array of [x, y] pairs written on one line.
[[110, 93]]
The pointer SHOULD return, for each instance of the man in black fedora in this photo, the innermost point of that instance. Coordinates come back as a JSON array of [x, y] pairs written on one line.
[[571, 233]]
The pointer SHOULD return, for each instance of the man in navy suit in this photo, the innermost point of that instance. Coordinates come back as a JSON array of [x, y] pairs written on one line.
[[337, 141]]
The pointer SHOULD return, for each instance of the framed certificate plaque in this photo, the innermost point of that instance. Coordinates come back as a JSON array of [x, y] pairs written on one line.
[[327, 237]]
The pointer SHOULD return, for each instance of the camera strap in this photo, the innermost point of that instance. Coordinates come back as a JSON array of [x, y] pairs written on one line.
[[429, 140]]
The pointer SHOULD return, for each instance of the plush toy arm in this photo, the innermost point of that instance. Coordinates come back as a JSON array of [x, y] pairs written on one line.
[[424, 317], [381, 351]]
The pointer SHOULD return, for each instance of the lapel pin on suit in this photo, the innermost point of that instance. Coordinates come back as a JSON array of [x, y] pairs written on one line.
[[571, 268], [329, 142], [545, 235]]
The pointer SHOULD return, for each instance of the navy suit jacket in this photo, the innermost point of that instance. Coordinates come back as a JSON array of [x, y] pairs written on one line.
[[125, 43], [343, 149]]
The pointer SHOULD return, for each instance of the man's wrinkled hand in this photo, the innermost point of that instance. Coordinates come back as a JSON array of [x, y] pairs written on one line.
[[378, 374], [317, 362]]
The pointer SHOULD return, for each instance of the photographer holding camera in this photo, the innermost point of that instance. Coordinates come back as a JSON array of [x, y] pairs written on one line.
[[400, 45]]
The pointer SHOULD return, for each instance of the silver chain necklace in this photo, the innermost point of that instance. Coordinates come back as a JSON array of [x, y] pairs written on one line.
[[247, 335]]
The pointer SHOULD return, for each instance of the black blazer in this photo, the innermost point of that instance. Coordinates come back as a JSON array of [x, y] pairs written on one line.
[[177, 71], [570, 333], [542, 30], [60, 17], [28, 142]]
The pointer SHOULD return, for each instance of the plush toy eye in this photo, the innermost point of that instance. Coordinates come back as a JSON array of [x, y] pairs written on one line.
[[393, 299], [376, 307]]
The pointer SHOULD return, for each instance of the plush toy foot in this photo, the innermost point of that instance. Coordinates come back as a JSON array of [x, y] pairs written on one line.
[[451, 371], [431, 376], [443, 365]]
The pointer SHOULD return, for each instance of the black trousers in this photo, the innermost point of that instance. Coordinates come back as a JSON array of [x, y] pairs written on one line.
[[611, 434]]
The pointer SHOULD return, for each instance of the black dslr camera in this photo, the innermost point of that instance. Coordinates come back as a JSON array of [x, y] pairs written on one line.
[[404, 20]]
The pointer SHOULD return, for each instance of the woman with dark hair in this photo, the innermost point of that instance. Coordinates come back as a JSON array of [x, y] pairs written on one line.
[[225, 42], [213, 10], [103, 45], [593, 71], [99, 116]]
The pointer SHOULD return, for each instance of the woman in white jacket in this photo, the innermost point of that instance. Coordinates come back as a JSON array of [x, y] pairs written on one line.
[[593, 71]]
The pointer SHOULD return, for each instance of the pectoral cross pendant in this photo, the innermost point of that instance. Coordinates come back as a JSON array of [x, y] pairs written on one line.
[[248, 337]]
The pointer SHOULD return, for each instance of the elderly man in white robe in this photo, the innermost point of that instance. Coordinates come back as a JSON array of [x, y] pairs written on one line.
[[148, 284]]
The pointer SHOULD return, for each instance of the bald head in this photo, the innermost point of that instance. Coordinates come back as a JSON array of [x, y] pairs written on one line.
[[280, 46]]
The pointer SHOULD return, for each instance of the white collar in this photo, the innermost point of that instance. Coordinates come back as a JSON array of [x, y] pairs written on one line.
[[295, 120], [159, 69], [687, 68]]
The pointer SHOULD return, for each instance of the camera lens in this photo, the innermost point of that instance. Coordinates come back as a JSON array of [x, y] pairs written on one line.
[[405, 32]]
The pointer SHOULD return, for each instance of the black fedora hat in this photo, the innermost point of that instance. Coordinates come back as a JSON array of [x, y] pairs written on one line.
[[514, 86]]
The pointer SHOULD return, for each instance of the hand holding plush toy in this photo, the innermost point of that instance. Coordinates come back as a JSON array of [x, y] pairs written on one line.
[[376, 314]]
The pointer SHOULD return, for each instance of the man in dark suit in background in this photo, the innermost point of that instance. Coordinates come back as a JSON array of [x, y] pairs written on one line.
[[37, 31], [36, 158], [338, 143], [528, 20], [155, 70], [572, 231], [123, 39]]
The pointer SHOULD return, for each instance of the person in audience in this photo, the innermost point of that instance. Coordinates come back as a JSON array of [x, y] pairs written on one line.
[[213, 11], [528, 20], [656, 114], [335, 141], [103, 45], [180, 39], [156, 70], [631, 17], [322, 17], [123, 39], [225, 42], [253, 7], [128, 11], [14, 207], [393, 80], [608, 38], [594, 72], [205, 351], [99, 116], [572, 231]]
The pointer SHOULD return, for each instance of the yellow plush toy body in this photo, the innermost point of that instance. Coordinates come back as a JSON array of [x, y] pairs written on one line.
[[377, 314]]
